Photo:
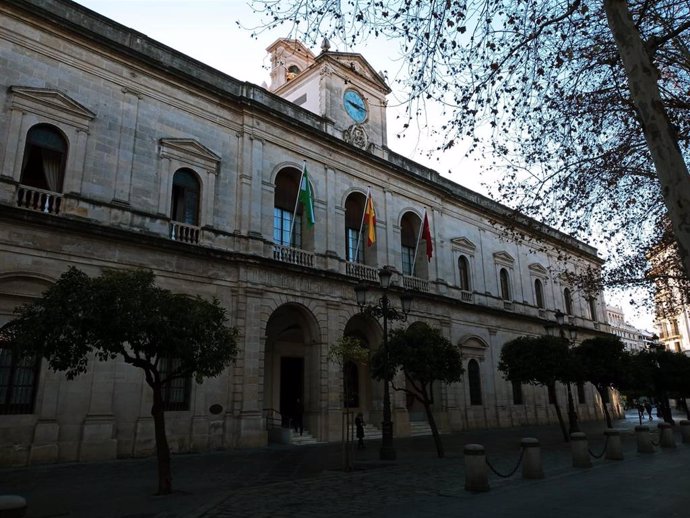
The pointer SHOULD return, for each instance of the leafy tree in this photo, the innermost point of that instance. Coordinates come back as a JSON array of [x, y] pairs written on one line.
[[602, 361], [425, 356], [538, 360], [661, 373], [584, 103], [123, 314], [348, 349]]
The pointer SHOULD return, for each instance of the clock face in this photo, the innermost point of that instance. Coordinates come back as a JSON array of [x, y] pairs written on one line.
[[355, 106]]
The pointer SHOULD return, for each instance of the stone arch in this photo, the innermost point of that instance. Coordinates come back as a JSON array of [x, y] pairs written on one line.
[[369, 392], [292, 358], [20, 287]]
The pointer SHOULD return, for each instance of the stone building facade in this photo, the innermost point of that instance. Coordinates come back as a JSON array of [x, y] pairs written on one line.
[[118, 152]]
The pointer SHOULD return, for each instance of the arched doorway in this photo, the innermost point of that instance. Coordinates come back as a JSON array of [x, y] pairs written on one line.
[[291, 365], [366, 395]]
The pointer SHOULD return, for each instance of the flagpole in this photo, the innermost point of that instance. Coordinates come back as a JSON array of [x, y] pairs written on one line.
[[294, 212], [361, 225], [416, 248]]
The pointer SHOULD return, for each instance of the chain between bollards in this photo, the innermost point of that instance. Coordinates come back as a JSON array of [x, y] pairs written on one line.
[[522, 454], [606, 443]]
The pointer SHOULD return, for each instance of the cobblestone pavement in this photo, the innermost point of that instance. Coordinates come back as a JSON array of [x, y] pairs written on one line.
[[308, 481]]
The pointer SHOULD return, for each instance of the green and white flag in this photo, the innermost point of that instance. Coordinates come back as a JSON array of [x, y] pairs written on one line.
[[306, 197]]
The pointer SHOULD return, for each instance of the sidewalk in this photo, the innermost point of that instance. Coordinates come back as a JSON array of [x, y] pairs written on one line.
[[285, 481]]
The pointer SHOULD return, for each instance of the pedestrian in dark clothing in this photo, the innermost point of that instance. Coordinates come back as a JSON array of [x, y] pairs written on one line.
[[299, 416], [359, 424], [640, 411], [648, 408]]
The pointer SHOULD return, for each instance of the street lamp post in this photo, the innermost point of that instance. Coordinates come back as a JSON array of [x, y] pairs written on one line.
[[384, 311], [572, 415]]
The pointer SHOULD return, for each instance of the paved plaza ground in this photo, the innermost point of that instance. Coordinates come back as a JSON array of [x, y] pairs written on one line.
[[308, 481]]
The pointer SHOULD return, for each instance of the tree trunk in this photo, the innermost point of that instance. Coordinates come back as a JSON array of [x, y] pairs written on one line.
[[552, 389], [434, 428], [603, 404], [162, 448], [659, 133]]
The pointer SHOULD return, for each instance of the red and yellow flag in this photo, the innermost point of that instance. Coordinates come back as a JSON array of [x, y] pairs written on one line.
[[370, 218]]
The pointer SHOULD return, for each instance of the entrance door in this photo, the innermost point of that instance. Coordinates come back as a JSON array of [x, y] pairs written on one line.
[[291, 386]]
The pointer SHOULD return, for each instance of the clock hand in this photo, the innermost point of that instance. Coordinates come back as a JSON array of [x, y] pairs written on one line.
[[355, 105]]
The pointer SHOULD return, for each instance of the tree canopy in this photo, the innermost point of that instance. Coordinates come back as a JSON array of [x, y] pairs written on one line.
[[582, 105], [124, 314], [539, 360], [603, 362], [425, 356]]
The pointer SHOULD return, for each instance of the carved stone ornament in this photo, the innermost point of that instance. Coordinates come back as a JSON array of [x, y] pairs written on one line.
[[356, 135]]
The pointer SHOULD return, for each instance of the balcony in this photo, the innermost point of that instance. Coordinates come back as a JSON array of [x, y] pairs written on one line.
[[39, 200], [415, 283], [466, 296], [184, 233], [290, 255], [508, 305], [362, 271]]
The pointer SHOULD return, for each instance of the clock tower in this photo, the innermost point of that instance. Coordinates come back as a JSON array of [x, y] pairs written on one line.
[[339, 86]]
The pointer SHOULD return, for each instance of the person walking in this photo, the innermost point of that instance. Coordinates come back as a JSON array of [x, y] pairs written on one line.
[[648, 408], [359, 425], [640, 411]]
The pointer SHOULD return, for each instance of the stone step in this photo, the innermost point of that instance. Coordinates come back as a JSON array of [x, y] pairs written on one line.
[[419, 428], [301, 440]]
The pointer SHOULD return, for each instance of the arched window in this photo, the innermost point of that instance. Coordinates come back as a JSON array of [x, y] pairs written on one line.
[[475, 382], [286, 190], [354, 239], [464, 272], [185, 197], [409, 226], [505, 284], [593, 308], [568, 300], [45, 156], [539, 293]]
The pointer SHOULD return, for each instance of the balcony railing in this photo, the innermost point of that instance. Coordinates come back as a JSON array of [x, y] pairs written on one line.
[[415, 283], [361, 271], [542, 313], [508, 305], [39, 200], [290, 255], [185, 233], [466, 296]]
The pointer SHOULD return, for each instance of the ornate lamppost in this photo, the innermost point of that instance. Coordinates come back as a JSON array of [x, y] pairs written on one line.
[[572, 415], [384, 311]]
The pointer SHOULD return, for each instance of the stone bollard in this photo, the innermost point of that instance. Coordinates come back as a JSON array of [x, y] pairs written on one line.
[[12, 506], [580, 449], [614, 448], [644, 440], [666, 437], [476, 470], [531, 459], [685, 430]]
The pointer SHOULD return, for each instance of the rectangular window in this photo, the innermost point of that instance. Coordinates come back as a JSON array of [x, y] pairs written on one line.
[[407, 258], [176, 393], [352, 236], [18, 383], [282, 222], [517, 393]]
